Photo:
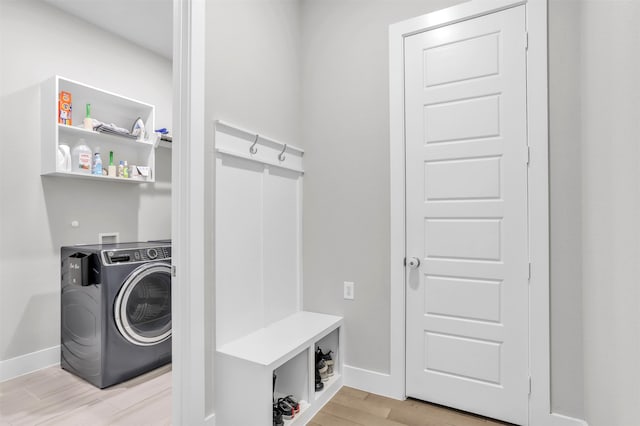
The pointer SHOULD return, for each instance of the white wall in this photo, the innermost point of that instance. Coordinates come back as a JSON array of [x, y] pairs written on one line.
[[345, 116], [595, 200], [36, 42], [565, 149], [253, 73], [610, 129]]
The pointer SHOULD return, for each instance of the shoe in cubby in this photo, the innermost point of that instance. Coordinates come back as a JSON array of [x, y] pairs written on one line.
[[285, 409], [319, 384], [277, 416], [293, 402], [328, 360]]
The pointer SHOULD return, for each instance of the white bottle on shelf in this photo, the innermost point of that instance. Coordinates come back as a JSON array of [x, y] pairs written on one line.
[[81, 158], [64, 158]]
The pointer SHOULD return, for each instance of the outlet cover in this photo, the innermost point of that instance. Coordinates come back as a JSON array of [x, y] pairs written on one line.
[[108, 237], [349, 290]]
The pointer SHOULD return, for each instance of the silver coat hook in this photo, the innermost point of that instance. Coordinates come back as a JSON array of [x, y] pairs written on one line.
[[281, 156], [253, 148]]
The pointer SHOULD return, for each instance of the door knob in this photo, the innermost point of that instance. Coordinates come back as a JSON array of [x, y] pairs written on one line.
[[413, 262]]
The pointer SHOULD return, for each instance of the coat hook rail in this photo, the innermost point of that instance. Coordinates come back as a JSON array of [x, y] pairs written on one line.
[[261, 161], [226, 127]]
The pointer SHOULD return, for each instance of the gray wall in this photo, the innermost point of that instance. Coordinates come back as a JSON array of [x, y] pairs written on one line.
[[595, 199], [36, 42], [252, 66], [345, 117], [610, 125], [565, 149]]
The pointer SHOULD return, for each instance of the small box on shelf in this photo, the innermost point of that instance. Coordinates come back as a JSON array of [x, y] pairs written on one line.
[[64, 108]]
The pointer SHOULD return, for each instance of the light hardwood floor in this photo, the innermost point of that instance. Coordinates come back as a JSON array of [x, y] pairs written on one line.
[[352, 407], [54, 397]]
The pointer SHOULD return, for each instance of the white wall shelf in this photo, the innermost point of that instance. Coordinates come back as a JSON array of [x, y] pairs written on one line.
[[106, 107], [98, 178]]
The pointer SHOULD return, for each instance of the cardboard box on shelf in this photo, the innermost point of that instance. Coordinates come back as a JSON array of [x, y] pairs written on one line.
[[65, 108]]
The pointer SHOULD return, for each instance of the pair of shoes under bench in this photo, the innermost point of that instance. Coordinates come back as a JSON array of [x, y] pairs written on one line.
[[328, 362], [286, 408]]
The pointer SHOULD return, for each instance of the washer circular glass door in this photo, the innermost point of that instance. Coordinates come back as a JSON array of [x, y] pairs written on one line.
[[143, 305]]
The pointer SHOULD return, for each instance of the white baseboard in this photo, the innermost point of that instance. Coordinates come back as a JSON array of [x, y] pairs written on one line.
[[562, 420], [369, 381], [28, 363]]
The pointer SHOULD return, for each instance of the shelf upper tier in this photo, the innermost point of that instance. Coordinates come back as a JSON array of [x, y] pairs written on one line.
[[106, 106], [90, 135]]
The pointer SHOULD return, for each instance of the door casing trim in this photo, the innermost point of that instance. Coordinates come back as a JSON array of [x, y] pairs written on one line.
[[192, 335], [537, 119]]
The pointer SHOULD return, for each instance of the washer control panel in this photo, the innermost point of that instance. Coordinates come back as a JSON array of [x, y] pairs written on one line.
[[136, 255]]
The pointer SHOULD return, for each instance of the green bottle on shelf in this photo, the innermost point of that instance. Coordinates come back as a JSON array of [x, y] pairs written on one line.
[[88, 122], [111, 171]]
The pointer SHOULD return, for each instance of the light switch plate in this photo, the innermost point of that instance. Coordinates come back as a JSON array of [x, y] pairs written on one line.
[[349, 290]]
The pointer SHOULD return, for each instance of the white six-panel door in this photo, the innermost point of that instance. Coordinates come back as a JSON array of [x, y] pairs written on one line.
[[466, 166]]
